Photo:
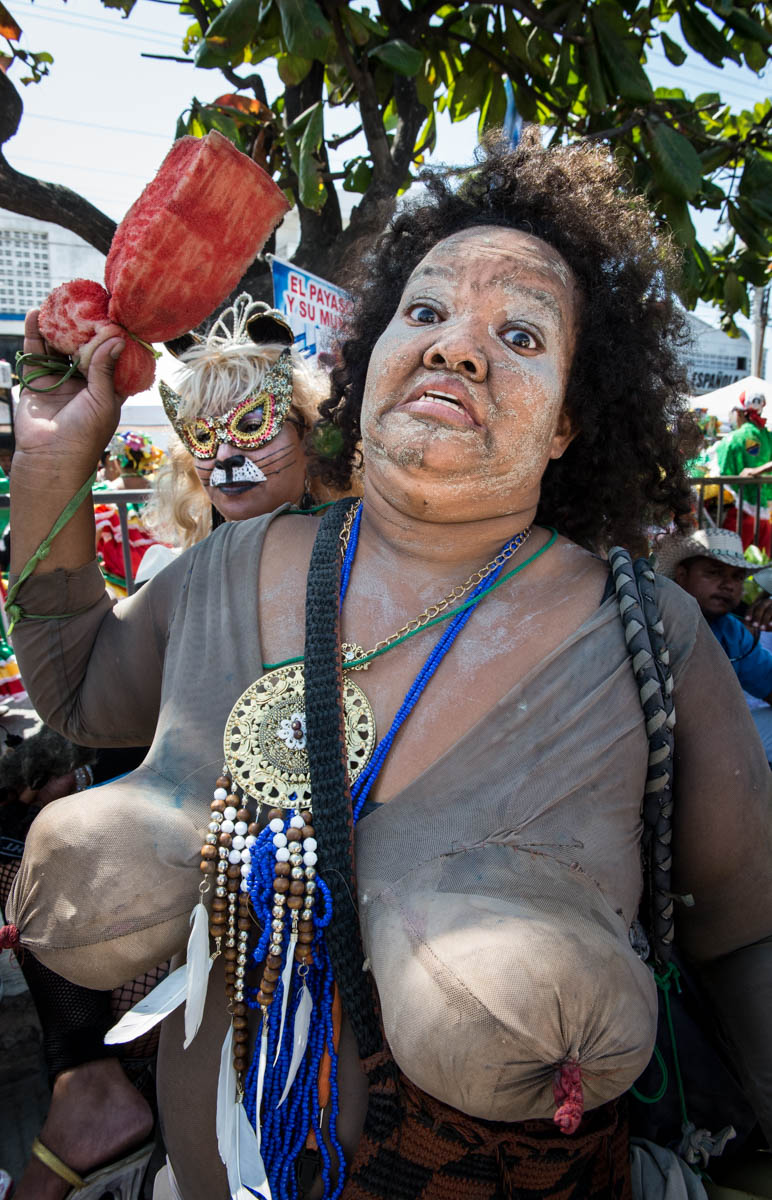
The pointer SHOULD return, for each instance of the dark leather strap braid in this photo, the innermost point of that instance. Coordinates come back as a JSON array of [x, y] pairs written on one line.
[[333, 819], [645, 637]]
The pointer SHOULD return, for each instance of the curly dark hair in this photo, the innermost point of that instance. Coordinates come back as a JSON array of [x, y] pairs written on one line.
[[624, 470]]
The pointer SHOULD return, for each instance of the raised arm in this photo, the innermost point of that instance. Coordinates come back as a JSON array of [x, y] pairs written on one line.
[[92, 670], [59, 438]]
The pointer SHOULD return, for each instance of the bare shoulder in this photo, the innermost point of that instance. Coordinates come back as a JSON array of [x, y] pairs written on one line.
[[571, 566], [289, 541]]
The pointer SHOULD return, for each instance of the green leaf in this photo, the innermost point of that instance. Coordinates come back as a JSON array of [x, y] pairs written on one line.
[[715, 157], [359, 172], [494, 106], [675, 53], [734, 293], [233, 26], [467, 94], [755, 55], [307, 32], [212, 118], [596, 87], [677, 166], [747, 225], [311, 190], [401, 57], [362, 27], [703, 36], [292, 69], [679, 219], [427, 138], [598, 97], [622, 65], [756, 186], [747, 27], [126, 5]]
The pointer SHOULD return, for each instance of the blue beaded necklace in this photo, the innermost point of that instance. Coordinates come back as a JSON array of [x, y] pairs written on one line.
[[284, 1126]]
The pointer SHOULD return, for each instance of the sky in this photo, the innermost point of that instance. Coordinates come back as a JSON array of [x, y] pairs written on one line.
[[104, 118]]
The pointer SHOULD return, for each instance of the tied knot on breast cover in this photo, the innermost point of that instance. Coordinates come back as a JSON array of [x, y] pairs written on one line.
[[179, 251], [9, 937], [569, 1097]]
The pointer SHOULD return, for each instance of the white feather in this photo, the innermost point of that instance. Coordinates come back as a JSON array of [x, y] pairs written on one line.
[[251, 1168], [300, 1040], [286, 977], [197, 972], [152, 1008], [262, 1064], [226, 1094], [174, 1187]]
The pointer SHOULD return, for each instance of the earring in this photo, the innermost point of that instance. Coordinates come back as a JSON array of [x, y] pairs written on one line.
[[306, 500]]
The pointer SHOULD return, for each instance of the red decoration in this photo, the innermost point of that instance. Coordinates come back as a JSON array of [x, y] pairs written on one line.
[[178, 252], [9, 937], [569, 1097]]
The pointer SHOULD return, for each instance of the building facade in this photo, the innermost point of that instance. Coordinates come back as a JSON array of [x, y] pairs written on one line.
[[35, 257], [714, 359]]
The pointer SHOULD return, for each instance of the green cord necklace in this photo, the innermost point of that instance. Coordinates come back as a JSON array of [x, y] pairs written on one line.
[[446, 616]]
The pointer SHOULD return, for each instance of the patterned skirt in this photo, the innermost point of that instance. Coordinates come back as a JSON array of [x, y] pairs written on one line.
[[416, 1148]]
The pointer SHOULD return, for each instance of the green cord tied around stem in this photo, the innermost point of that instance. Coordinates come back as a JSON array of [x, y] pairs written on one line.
[[41, 365], [15, 611]]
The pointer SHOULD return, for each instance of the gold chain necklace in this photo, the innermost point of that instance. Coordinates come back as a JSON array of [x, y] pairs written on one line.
[[352, 652]]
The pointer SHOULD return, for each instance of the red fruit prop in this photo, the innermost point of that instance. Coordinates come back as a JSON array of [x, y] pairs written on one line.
[[180, 249]]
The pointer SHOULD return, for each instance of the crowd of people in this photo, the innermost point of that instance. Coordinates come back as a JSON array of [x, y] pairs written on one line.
[[412, 889]]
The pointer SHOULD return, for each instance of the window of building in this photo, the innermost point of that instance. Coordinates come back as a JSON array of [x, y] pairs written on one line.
[[25, 269]]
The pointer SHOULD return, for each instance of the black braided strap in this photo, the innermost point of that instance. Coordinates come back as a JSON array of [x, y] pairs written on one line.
[[331, 797], [644, 634], [662, 842]]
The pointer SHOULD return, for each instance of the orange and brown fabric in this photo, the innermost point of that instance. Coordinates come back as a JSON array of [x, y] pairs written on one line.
[[413, 1145]]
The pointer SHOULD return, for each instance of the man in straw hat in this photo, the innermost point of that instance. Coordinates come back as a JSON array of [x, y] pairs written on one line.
[[709, 565]]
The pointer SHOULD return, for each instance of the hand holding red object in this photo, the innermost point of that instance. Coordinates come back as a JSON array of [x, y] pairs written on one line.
[[180, 249]]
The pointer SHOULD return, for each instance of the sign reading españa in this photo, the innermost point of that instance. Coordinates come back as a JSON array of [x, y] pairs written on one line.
[[314, 308]]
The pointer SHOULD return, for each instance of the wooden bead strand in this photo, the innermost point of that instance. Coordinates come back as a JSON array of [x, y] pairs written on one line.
[[281, 892], [303, 953]]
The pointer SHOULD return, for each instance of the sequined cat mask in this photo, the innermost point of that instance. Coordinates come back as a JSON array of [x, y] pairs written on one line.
[[230, 361], [203, 435]]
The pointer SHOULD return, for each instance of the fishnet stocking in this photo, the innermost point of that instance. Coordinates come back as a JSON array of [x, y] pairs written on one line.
[[8, 870], [125, 997]]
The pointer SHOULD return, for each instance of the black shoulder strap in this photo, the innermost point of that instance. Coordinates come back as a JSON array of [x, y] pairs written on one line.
[[331, 799], [645, 636]]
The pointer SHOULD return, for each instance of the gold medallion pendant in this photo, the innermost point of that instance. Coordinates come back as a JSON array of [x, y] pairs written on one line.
[[264, 743]]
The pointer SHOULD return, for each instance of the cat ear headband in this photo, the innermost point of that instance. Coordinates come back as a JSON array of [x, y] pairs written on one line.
[[246, 324]]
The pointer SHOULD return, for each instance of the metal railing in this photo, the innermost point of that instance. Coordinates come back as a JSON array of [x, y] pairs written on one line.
[[747, 493], [121, 499]]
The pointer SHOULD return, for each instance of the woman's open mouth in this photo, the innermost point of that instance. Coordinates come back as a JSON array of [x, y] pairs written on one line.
[[441, 406]]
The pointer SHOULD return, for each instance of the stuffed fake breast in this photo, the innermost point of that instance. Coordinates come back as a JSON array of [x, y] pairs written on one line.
[[507, 983]]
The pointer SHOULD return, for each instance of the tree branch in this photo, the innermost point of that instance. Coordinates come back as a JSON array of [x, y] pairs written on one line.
[[372, 121], [166, 57], [53, 202], [411, 113], [200, 13], [532, 13], [334, 143], [255, 82]]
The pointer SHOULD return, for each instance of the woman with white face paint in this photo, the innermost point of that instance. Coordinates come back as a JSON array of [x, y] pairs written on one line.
[[401, 747], [238, 452]]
